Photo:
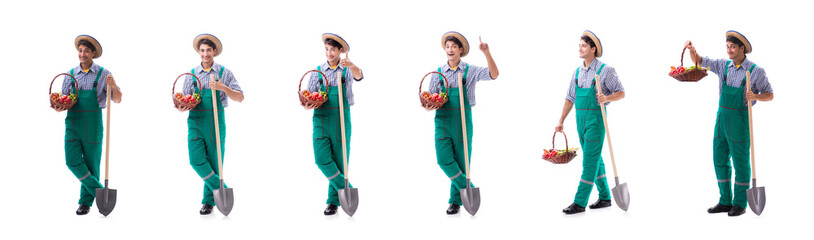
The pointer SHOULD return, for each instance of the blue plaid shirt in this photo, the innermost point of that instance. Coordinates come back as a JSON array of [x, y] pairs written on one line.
[[313, 82], [475, 75], [735, 75], [609, 80], [204, 76], [85, 80]]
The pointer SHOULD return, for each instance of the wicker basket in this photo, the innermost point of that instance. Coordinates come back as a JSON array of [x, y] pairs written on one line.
[[561, 158], [54, 103], [690, 76], [307, 101], [425, 101], [180, 104]]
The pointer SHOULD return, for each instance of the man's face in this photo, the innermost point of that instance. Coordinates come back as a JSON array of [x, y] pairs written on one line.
[[207, 53], [733, 50], [585, 50], [453, 51], [85, 54], [332, 53]]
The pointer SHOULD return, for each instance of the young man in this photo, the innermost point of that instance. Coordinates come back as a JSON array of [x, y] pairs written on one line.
[[83, 125], [448, 133], [731, 138], [201, 134], [582, 93], [327, 136]]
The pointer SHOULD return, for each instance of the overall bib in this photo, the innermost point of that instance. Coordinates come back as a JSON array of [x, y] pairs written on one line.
[[591, 135], [83, 141], [327, 139], [449, 145], [732, 140], [203, 154]]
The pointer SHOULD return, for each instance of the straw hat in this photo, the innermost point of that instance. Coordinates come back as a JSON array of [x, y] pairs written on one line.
[[212, 38], [743, 39], [596, 41], [345, 46], [97, 53], [460, 37]]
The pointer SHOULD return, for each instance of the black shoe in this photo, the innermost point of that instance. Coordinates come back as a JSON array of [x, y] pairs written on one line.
[[736, 211], [600, 204], [83, 209], [330, 210], [719, 208], [206, 209], [453, 209], [573, 208]]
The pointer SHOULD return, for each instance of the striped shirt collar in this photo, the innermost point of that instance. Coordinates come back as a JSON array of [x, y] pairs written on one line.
[[93, 68], [461, 65], [327, 66], [200, 69], [746, 64], [593, 66]]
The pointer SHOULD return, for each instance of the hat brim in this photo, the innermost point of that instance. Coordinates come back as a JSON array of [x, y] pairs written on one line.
[[97, 53], [345, 46], [460, 37], [739, 36], [596, 41], [210, 37]]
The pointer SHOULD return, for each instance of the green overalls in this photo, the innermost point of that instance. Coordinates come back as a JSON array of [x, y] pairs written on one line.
[[83, 141], [591, 134], [327, 138], [449, 137], [732, 140], [201, 141]]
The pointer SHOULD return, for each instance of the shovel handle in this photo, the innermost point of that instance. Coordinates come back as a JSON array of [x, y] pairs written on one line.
[[217, 130], [107, 138], [605, 121], [751, 136], [342, 126], [463, 124]]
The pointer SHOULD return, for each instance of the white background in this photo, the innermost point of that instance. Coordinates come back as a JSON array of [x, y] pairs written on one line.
[[662, 130]]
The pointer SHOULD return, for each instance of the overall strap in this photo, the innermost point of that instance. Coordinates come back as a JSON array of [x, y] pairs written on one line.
[[344, 72], [220, 74], [441, 80], [466, 72], [98, 75], [319, 68], [726, 69], [193, 83], [576, 76], [597, 73]]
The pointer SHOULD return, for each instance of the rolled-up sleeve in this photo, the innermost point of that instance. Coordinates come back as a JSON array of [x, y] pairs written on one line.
[[715, 65], [610, 82], [479, 73], [760, 83]]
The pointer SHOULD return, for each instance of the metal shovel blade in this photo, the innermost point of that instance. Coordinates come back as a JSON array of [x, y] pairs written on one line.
[[224, 200], [756, 197], [621, 195], [105, 199], [349, 199], [471, 198]]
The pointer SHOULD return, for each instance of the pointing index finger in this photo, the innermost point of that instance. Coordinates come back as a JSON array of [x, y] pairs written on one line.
[[479, 39]]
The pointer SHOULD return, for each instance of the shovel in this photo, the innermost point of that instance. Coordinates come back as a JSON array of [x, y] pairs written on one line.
[[755, 195], [469, 196], [620, 193], [224, 197], [106, 197], [348, 197]]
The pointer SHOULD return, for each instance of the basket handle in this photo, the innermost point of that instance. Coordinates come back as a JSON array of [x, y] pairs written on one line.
[[325, 78], [554, 137], [446, 82], [193, 76], [682, 58], [76, 84]]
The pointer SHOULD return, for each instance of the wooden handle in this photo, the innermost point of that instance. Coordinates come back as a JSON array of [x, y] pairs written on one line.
[[605, 121], [217, 129], [463, 123], [342, 125], [107, 137], [751, 136]]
